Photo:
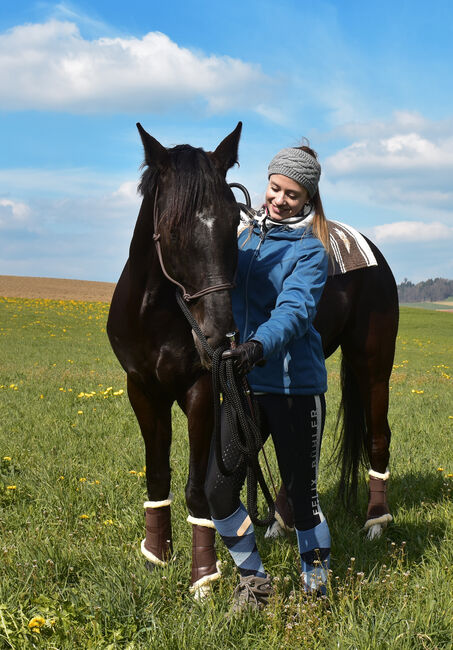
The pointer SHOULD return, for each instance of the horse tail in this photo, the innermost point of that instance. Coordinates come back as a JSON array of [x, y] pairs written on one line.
[[351, 449]]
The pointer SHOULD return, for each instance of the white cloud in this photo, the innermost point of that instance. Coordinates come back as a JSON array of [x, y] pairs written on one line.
[[84, 237], [127, 192], [401, 153], [13, 214], [411, 231], [402, 167], [50, 66]]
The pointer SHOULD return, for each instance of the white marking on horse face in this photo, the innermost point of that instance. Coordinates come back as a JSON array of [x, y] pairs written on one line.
[[207, 220]]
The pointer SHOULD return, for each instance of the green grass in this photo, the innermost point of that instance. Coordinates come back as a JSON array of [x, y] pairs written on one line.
[[71, 515]]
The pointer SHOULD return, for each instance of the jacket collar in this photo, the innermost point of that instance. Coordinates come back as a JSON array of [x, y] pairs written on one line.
[[265, 222]]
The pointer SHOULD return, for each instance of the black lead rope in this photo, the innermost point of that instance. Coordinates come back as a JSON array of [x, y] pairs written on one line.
[[241, 413]]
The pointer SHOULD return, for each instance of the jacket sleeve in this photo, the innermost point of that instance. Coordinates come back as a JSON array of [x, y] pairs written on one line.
[[295, 308]]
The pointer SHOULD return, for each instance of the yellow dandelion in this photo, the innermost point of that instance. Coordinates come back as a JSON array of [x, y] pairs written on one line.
[[61, 478], [10, 487], [108, 522], [7, 458], [82, 480], [79, 412], [36, 623], [450, 475], [84, 516], [440, 469], [141, 474], [132, 471]]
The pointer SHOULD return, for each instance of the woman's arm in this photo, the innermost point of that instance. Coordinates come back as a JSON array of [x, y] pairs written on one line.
[[295, 308]]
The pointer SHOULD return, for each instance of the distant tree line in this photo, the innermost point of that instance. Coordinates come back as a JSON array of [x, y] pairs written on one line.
[[426, 291]]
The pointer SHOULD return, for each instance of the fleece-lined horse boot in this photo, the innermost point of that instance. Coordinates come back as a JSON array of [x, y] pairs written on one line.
[[205, 568], [157, 546], [284, 517], [378, 514]]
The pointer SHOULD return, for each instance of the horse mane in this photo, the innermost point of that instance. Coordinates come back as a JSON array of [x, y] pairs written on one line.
[[197, 179]]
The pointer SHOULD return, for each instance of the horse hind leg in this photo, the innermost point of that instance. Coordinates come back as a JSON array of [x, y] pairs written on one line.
[[283, 523], [372, 378], [378, 513], [154, 418]]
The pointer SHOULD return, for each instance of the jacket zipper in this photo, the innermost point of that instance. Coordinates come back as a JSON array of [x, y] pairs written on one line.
[[255, 255]]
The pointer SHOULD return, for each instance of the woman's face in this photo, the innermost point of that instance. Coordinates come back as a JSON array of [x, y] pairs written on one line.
[[284, 197]]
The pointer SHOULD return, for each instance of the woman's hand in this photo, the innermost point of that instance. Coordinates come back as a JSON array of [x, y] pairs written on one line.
[[245, 356]]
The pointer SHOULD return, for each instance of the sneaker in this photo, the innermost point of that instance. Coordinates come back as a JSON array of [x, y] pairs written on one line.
[[251, 593]]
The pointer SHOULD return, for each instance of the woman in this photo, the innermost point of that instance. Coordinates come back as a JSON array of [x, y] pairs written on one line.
[[282, 269]]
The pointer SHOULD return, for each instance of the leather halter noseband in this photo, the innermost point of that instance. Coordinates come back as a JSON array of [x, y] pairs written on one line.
[[186, 296]]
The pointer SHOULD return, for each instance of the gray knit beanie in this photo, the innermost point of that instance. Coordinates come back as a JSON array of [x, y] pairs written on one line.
[[298, 165]]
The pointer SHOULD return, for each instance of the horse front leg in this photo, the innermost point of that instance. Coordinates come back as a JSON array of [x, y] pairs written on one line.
[[154, 418], [198, 407]]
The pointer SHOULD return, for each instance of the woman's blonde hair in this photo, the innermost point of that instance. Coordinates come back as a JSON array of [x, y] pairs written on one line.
[[319, 225]]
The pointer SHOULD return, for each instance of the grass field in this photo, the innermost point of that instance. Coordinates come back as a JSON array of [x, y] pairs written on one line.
[[71, 518]]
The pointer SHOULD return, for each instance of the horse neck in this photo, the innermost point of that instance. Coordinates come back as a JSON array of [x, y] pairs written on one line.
[[142, 245]]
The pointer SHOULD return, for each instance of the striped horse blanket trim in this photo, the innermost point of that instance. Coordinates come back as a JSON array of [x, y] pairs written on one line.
[[350, 249]]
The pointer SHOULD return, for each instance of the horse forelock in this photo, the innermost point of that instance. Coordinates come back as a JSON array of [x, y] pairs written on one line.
[[194, 183]]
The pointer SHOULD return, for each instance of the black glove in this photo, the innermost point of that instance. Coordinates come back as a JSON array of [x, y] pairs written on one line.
[[245, 356]]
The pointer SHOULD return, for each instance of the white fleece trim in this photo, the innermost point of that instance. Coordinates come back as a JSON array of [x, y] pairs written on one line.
[[374, 474], [150, 556], [206, 579], [384, 519], [159, 504], [208, 523]]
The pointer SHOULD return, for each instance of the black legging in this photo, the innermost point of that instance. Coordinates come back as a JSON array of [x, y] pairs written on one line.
[[296, 423]]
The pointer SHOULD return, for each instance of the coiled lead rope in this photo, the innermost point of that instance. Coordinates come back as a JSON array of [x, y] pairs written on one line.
[[242, 417]]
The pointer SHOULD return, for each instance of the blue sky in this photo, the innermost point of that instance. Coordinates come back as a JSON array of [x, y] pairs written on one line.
[[369, 84]]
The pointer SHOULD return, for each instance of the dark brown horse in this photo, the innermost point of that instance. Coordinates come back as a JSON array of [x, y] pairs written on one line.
[[191, 212]]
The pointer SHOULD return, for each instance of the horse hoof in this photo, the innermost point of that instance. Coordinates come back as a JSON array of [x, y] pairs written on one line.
[[274, 531], [201, 593], [150, 566]]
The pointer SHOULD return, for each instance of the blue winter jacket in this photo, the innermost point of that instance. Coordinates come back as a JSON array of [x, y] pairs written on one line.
[[280, 279]]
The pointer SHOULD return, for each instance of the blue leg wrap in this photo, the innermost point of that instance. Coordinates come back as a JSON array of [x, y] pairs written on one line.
[[238, 535], [314, 549]]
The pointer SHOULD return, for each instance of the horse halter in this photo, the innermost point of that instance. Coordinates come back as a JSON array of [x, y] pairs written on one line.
[[185, 294]]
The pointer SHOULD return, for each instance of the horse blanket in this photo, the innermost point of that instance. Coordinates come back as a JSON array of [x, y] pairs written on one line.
[[350, 249]]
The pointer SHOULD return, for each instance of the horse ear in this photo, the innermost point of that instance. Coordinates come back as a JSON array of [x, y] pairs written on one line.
[[226, 154], [155, 154]]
